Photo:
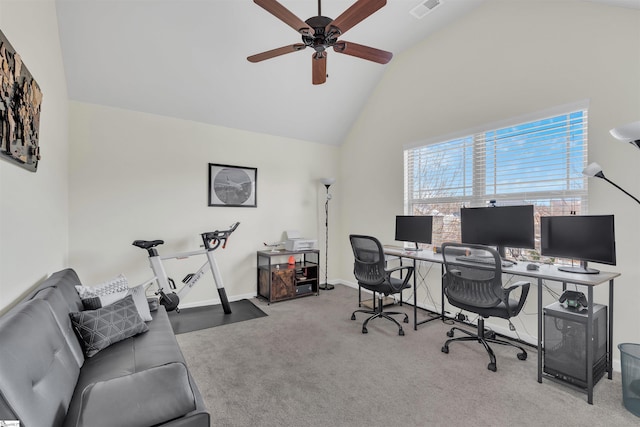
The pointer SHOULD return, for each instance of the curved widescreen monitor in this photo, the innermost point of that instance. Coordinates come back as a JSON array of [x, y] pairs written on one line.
[[580, 237], [500, 226], [415, 229]]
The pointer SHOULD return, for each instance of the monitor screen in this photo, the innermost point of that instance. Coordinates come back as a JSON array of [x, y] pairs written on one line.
[[416, 229], [579, 237], [501, 226]]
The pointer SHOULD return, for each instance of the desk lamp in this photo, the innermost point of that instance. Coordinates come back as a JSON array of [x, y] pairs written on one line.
[[627, 133], [327, 183]]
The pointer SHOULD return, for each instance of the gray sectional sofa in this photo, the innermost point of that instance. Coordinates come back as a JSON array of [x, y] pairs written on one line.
[[46, 379]]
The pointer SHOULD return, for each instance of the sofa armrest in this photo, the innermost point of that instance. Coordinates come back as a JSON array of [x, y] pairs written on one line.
[[145, 398]]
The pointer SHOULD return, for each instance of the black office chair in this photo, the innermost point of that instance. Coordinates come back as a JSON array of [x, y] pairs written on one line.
[[370, 271], [473, 282]]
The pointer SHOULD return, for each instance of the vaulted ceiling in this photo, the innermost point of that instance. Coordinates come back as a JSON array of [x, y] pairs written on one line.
[[187, 59]]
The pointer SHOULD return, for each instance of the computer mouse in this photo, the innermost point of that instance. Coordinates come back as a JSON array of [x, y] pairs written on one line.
[[533, 267]]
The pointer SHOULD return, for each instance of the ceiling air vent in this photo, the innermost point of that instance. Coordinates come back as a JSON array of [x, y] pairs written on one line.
[[424, 8]]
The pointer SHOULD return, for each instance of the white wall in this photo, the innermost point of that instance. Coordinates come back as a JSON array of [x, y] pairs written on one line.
[[140, 176], [504, 60], [33, 206]]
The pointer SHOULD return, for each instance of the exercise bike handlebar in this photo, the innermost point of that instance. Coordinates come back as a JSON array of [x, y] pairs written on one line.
[[213, 239]]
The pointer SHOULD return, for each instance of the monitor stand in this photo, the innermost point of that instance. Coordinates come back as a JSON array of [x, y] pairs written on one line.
[[583, 269], [416, 249]]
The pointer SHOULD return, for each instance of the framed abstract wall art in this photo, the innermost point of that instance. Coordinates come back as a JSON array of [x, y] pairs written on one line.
[[20, 100], [232, 186]]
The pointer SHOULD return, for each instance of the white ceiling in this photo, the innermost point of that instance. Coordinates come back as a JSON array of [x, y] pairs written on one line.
[[187, 59]]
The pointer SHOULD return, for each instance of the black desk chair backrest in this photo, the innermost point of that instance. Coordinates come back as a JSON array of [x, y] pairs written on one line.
[[369, 264], [473, 282], [369, 269]]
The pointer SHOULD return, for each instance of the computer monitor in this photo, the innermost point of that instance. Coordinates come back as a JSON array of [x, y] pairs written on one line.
[[416, 229], [499, 226], [580, 237]]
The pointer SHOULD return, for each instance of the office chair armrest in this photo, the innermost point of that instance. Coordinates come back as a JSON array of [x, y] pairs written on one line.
[[521, 284], [407, 276], [523, 295]]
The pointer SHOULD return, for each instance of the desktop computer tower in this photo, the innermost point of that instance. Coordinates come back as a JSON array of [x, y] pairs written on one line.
[[566, 340]]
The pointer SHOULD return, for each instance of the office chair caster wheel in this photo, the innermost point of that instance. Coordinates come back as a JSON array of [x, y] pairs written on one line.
[[492, 367], [450, 333], [522, 356], [406, 319], [353, 316], [364, 330], [401, 332], [445, 349]]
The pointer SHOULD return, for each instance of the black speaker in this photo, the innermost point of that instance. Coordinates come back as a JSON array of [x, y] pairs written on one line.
[[565, 343]]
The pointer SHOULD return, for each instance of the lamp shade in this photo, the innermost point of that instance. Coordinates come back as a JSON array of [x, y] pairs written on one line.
[[327, 181], [593, 169], [628, 133]]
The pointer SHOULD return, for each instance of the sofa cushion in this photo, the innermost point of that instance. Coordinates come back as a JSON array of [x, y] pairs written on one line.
[[55, 299], [100, 328], [156, 347], [145, 398], [38, 371]]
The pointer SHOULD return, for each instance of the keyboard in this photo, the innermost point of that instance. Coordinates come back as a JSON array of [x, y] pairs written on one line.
[[483, 260]]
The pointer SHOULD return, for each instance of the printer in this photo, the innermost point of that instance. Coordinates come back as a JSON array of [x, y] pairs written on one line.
[[296, 243]]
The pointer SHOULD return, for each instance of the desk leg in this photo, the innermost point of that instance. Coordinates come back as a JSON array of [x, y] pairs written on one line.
[[415, 297], [442, 301], [610, 355], [590, 347], [540, 330]]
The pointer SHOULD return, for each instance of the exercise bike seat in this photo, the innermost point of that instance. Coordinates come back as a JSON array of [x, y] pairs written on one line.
[[146, 244]]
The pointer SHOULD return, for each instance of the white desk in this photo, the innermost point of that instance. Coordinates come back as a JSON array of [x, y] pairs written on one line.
[[546, 272]]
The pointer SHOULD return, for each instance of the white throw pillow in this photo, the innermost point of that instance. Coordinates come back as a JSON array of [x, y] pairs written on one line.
[[140, 299]]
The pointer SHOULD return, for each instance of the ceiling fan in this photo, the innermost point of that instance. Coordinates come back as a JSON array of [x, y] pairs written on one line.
[[320, 33]]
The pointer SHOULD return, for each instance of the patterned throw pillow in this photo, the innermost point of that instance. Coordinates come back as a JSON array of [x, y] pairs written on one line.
[[103, 294], [113, 290], [100, 328], [115, 285]]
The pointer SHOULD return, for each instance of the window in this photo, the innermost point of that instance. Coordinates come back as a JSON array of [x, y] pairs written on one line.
[[536, 162]]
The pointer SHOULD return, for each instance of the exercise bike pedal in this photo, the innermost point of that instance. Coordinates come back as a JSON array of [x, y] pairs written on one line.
[[170, 301], [187, 278]]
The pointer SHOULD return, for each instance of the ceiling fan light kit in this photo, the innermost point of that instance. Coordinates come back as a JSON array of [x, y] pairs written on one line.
[[321, 33]]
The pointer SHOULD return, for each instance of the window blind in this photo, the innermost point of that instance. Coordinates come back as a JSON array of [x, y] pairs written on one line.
[[537, 162]]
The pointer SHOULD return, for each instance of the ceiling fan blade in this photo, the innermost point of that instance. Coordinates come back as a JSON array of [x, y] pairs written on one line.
[[358, 11], [364, 52], [275, 52], [319, 67], [285, 15]]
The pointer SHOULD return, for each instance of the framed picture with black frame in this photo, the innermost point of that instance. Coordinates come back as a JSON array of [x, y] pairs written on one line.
[[232, 186]]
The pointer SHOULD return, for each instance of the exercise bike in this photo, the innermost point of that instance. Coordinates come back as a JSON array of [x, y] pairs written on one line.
[[211, 240]]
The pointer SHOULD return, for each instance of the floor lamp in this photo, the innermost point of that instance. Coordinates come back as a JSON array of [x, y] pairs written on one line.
[[327, 183], [594, 170], [627, 133]]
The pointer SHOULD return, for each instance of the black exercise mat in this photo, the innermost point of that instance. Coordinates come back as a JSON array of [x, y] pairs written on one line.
[[209, 316]]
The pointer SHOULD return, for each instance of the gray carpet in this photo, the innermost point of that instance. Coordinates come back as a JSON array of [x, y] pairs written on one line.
[[308, 364]]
